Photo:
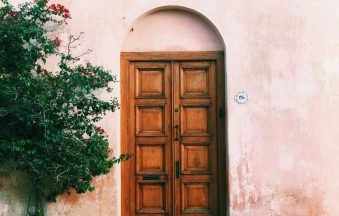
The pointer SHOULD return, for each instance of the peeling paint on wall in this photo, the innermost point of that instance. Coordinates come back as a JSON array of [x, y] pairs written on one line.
[[273, 201]]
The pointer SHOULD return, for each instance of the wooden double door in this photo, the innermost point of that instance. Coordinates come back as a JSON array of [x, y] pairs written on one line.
[[173, 134]]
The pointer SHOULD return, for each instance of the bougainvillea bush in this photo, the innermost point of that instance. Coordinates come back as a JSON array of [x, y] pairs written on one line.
[[48, 118]]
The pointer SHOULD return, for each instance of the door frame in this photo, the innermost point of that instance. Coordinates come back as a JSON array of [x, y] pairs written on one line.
[[222, 166]]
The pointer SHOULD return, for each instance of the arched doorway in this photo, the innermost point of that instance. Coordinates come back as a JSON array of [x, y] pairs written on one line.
[[173, 116]]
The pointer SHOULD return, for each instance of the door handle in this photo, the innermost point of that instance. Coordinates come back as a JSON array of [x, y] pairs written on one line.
[[177, 169], [177, 135]]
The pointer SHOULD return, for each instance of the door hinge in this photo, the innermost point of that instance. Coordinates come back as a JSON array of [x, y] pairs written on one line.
[[221, 112]]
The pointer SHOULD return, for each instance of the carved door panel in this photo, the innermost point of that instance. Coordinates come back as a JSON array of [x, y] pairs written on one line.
[[172, 133]]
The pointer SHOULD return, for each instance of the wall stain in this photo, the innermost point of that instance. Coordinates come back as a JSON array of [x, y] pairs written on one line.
[[251, 197], [239, 200], [70, 197], [301, 201]]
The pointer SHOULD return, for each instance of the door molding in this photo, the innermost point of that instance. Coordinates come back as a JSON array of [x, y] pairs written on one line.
[[222, 165]]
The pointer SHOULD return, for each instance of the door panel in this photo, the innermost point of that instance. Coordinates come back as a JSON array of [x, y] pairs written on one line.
[[196, 197], [150, 138], [154, 112], [195, 158], [196, 188], [195, 80], [151, 197], [150, 80], [172, 133], [195, 119], [155, 152]]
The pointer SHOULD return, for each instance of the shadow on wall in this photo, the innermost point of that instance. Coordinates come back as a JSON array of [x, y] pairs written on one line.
[[14, 192]]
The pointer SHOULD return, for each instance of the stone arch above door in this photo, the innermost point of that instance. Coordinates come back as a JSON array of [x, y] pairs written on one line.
[[172, 28]]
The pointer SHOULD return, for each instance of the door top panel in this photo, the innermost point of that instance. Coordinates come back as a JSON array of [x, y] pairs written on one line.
[[169, 56]]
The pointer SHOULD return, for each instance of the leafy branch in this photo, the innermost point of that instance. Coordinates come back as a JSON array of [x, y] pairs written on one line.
[[48, 118]]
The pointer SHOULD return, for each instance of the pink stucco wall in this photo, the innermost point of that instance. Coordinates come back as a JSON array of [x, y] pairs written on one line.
[[282, 144], [170, 29]]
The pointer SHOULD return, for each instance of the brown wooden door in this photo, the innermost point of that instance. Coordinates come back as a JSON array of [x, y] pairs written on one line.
[[195, 143], [172, 132], [150, 138]]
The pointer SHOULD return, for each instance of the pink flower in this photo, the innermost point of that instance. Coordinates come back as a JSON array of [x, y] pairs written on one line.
[[12, 14], [57, 41]]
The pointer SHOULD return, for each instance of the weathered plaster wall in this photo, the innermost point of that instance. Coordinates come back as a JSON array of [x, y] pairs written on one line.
[[283, 150], [169, 29]]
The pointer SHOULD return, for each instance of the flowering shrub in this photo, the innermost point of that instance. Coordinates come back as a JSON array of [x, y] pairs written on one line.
[[47, 118]]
